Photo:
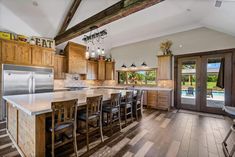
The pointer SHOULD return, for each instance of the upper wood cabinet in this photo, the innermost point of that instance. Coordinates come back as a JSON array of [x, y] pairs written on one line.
[[76, 58], [101, 70], [92, 70], [164, 67], [13, 52], [110, 71], [9, 51], [23, 54], [42, 56], [60, 67]]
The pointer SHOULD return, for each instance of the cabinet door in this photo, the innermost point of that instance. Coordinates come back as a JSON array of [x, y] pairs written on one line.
[[56, 67], [23, 52], [48, 57], [37, 56], [9, 52], [152, 99], [164, 100], [109, 71], [164, 67], [59, 67], [77, 60], [95, 71], [101, 70], [89, 70]]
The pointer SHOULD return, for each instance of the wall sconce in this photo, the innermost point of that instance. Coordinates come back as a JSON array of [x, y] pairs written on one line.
[[123, 66], [133, 65], [144, 64]]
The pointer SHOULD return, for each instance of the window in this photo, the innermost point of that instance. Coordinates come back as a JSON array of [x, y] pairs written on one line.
[[140, 77]]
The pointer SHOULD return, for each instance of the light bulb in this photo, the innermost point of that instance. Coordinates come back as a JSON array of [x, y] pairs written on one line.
[[98, 51], [102, 52]]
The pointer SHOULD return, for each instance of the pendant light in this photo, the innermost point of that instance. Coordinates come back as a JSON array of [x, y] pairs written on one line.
[[144, 64], [133, 65], [87, 53], [123, 66]]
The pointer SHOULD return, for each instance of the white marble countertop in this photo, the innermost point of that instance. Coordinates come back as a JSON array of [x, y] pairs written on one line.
[[35, 104], [135, 87]]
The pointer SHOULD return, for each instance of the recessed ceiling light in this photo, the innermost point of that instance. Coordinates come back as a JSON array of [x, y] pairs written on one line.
[[35, 3], [180, 46], [218, 3]]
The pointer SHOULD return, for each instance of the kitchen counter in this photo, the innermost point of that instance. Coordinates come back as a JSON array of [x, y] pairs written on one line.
[[34, 104], [130, 87], [27, 116]]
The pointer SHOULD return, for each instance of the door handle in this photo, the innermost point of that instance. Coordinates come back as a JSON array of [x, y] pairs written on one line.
[[33, 84], [30, 85]]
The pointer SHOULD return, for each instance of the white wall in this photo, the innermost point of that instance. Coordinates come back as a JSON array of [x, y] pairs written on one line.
[[196, 40]]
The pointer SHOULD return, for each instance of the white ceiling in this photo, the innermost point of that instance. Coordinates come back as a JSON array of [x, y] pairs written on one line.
[[170, 16]]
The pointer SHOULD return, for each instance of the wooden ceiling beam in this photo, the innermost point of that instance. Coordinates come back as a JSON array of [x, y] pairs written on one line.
[[117, 11], [72, 10]]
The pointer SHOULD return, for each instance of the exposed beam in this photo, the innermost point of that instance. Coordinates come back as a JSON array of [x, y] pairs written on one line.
[[113, 13], [69, 15]]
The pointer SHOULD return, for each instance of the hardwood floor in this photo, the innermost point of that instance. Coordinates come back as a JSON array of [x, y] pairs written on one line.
[[157, 134]]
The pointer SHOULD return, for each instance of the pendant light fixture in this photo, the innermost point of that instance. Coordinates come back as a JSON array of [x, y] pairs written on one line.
[[123, 66], [144, 64], [133, 65]]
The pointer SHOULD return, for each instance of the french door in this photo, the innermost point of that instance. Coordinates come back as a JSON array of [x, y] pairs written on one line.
[[204, 82]]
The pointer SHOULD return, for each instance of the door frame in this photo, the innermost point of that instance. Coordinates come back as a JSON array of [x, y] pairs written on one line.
[[195, 107], [229, 96]]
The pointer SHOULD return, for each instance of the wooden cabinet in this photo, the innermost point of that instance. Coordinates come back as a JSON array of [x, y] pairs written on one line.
[[60, 66], [159, 99], [9, 51], [164, 67], [101, 70], [152, 98], [110, 71], [76, 58], [92, 70], [42, 56], [23, 54], [164, 100]]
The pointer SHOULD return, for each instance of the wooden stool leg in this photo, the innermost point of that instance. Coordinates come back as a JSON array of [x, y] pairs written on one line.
[[111, 122], [101, 130], [125, 112], [136, 113], [87, 135], [131, 115], [119, 118], [75, 142], [53, 145]]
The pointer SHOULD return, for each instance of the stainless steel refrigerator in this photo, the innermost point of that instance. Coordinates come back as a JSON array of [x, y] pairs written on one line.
[[25, 80]]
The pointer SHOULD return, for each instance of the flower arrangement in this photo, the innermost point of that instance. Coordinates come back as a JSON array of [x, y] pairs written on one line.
[[165, 47]]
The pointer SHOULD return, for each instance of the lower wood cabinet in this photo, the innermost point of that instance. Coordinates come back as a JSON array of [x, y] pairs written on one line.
[[60, 66], [159, 99]]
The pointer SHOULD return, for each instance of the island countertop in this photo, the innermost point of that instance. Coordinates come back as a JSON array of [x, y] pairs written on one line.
[[40, 103]]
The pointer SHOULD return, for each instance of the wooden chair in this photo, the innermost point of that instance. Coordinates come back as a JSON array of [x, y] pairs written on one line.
[[137, 104], [190, 91], [229, 153], [92, 114], [209, 93], [113, 108], [64, 116], [127, 105]]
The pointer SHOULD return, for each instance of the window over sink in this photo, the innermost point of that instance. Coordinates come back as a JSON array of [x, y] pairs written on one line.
[[138, 77]]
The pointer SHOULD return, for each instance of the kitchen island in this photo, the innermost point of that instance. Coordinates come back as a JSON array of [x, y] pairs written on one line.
[[26, 116]]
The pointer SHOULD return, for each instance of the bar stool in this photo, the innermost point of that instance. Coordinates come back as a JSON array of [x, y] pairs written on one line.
[[137, 104], [231, 111], [127, 105], [113, 108], [92, 113], [64, 116]]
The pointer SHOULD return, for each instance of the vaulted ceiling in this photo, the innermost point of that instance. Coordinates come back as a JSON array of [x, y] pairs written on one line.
[[45, 17]]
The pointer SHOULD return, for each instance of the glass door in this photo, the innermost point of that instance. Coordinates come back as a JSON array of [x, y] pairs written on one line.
[[189, 83], [215, 82]]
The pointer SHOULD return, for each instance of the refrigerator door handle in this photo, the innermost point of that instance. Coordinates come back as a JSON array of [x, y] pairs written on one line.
[[33, 85], [30, 85]]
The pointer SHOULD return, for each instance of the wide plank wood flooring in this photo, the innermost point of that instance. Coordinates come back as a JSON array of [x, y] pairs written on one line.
[[157, 134]]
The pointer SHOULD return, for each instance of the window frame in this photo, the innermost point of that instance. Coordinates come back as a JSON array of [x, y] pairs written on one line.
[[136, 70]]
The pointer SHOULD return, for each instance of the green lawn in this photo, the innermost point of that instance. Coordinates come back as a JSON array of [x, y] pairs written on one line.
[[210, 85]]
